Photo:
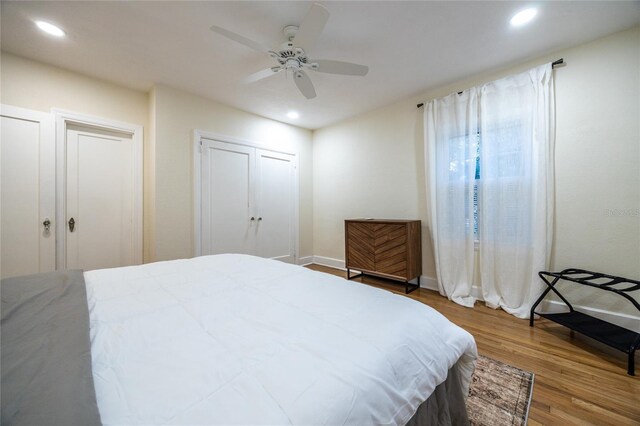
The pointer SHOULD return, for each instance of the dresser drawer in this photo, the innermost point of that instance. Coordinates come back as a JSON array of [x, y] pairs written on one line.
[[389, 248]]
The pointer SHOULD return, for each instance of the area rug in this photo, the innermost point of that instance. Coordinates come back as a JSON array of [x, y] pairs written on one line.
[[500, 394]]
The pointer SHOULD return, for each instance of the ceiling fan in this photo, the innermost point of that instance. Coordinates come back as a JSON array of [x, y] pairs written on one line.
[[292, 54]]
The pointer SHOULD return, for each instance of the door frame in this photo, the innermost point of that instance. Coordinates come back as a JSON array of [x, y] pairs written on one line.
[[62, 120], [47, 188], [198, 135]]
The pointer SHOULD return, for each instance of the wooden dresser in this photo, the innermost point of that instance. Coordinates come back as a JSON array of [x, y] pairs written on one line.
[[386, 248]]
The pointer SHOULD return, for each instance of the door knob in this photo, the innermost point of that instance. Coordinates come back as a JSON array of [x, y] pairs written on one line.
[[72, 224], [47, 224]]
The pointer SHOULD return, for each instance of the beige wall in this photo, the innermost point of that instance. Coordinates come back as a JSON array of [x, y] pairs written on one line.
[[177, 114], [33, 85], [373, 165], [37, 86], [169, 117]]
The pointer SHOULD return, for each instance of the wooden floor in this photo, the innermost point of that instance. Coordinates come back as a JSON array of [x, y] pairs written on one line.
[[578, 381]]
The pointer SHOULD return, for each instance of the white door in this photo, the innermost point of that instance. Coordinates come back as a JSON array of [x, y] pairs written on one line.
[[228, 219], [28, 192], [100, 199], [275, 191], [247, 201]]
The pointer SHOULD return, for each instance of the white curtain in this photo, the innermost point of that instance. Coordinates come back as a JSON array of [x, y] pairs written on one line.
[[489, 157], [451, 137], [516, 190]]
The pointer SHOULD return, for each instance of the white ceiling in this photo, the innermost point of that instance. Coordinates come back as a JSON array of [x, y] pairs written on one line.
[[409, 47]]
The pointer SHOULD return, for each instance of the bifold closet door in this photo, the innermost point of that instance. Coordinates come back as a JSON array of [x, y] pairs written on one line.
[[28, 192], [275, 205], [100, 198], [228, 223]]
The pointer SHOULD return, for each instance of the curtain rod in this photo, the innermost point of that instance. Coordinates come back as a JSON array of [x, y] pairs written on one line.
[[553, 65]]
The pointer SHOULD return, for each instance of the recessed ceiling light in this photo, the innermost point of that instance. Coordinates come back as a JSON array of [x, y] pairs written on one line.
[[523, 17], [50, 28], [293, 115]]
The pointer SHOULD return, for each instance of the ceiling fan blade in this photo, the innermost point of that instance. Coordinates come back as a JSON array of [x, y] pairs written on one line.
[[311, 27], [260, 75], [240, 39], [339, 67], [304, 84]]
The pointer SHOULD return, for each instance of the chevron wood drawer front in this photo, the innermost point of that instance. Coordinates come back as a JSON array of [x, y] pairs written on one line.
[[389, 248], [360, 239]]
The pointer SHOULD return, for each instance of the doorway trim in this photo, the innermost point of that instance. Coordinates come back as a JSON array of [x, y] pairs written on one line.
[[198, 135], [63, 119]]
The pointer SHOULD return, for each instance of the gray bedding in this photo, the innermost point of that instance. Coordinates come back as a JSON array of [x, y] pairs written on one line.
[[46, 358], [46, 352]]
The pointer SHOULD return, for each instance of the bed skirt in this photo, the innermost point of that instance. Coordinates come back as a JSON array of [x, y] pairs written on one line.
[[446, 406]]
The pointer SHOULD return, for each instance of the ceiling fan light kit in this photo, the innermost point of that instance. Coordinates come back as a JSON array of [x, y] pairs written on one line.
[[292, 54]]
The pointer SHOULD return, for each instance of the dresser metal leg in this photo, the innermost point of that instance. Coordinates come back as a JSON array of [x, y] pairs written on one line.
[[411, 287]]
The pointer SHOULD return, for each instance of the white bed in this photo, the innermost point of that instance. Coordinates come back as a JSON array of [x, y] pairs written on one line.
[[235, 339]]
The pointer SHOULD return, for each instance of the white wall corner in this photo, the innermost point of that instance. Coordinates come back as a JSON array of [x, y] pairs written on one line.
[[306, 260]]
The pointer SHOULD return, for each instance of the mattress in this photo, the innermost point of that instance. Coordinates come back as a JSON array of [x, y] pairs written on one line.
[[236, 339]]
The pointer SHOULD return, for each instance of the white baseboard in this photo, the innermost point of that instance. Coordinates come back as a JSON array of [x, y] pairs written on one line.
[[429, 283], [306, 260], [330, 262], [623, 320], [554, 306], [426, 282]]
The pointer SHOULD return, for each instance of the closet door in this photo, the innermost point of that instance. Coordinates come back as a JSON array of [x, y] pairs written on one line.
[[100, 199], [228, 222], [275, 201], [28, 192], [247, 200]]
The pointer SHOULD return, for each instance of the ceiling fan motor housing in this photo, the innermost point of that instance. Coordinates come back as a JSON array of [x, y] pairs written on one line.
[[290, 56]]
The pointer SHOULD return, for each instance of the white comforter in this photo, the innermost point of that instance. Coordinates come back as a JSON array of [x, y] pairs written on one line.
[[234, 339]]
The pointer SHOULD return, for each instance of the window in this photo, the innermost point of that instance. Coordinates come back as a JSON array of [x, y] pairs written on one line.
[[475, 189], [460, 168], [508, 158]]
